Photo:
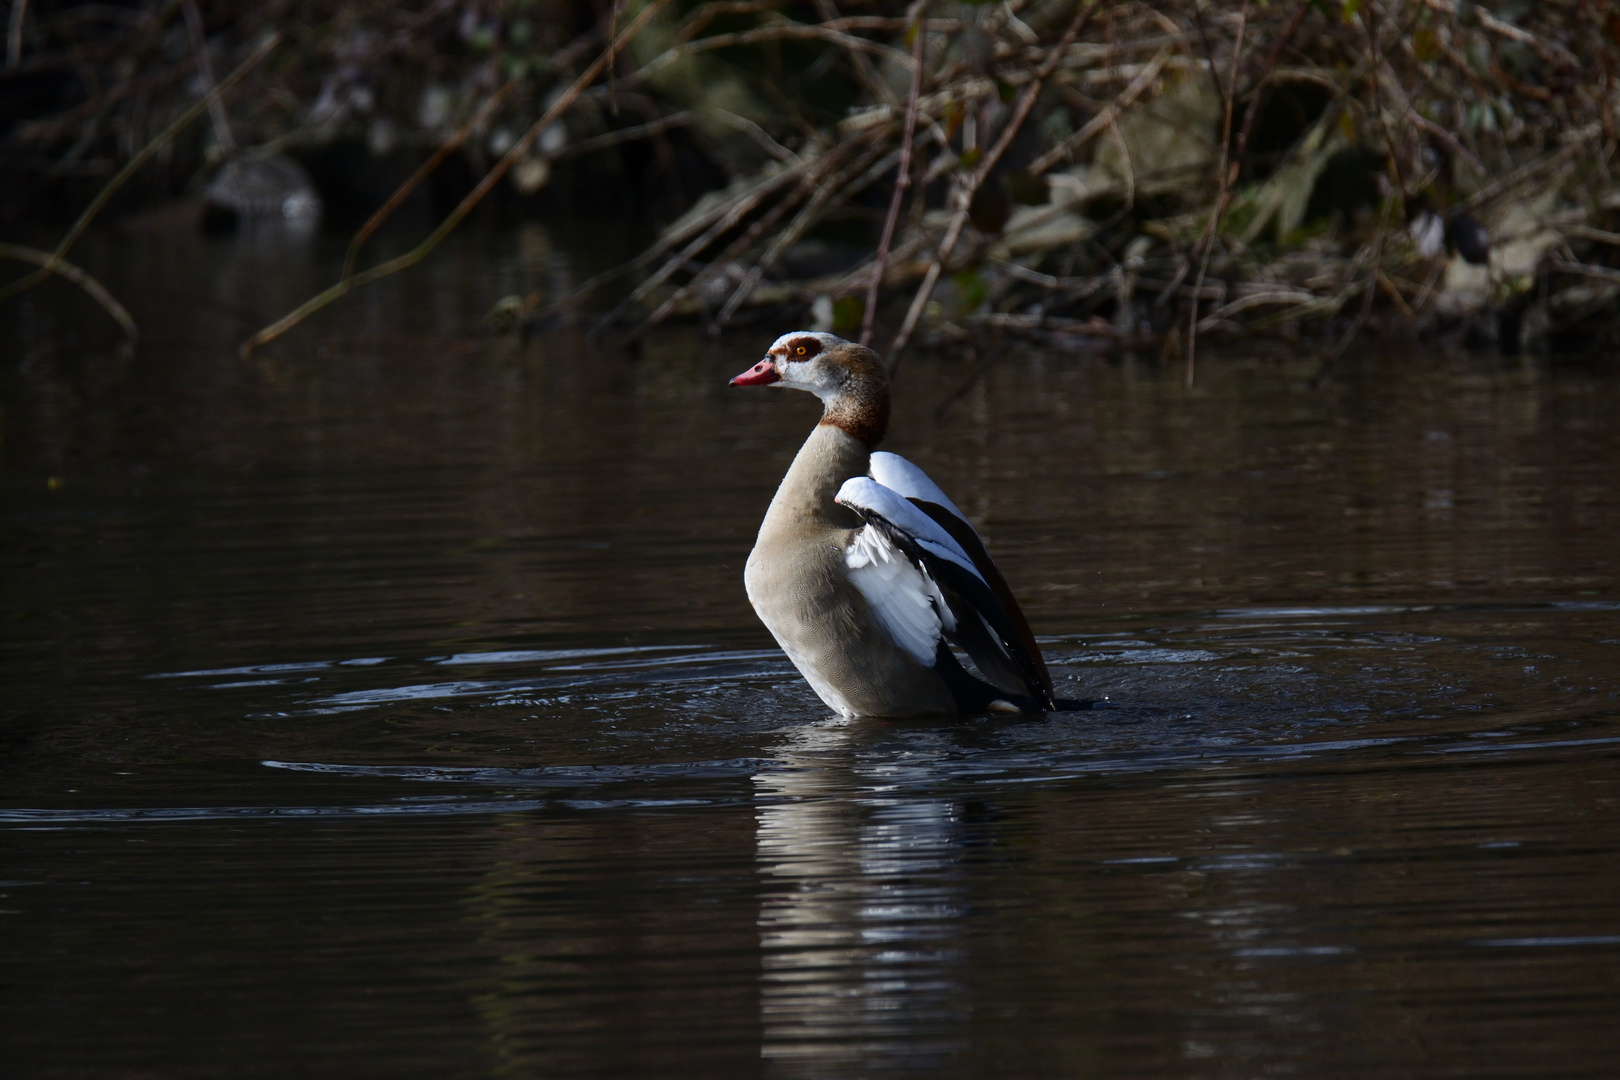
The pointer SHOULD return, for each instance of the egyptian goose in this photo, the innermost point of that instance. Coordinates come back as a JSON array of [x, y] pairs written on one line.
[[866, 573]]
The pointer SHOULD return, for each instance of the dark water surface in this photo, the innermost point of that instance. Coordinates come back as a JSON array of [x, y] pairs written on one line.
[[389, 705]]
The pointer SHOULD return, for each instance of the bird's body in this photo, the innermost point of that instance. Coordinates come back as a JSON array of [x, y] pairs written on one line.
[[865, 572], [815, 610]]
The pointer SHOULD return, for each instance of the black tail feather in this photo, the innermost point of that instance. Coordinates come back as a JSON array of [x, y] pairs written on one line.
[[974, 695]]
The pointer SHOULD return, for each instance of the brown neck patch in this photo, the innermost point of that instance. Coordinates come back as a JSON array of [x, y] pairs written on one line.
[[862, 407]]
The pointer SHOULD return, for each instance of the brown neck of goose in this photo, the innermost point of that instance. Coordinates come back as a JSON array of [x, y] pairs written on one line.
[[862, 407]]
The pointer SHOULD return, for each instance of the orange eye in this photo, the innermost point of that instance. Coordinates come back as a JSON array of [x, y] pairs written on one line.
[[801, 350]]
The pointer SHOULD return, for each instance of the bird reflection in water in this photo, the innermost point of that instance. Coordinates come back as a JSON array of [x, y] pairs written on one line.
[[863, 894]]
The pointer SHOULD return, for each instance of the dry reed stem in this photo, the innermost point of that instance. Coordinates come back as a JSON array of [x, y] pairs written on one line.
[[828, 193], [1270, 66], [1599, 273], [624, 135], [205, 67], [62, 268], [1101, 122], [758, 134], [719, 224], [808, 185], [1369, 20], [730, 252], [859, 62], [1531, 171], [664, 244], [785, 32], [403, 192], [14, 34], [704, 14], [902, 176], [1206, 242]]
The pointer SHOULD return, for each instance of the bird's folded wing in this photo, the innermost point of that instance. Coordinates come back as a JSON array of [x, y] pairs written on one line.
[[873, 500], [895, 472], [905, 599], [909, 558]]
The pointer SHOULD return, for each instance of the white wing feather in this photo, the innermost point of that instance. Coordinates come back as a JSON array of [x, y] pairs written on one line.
[[904, 598], [864, 493], [897, 474]]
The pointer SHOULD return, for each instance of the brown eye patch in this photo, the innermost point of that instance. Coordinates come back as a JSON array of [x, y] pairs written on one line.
[[806, 347]]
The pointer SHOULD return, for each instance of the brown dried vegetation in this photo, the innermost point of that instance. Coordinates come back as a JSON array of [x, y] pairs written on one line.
[[1129, 172]]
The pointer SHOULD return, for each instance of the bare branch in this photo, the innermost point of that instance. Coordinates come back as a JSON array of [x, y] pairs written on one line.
[[902, 177], [64, 269]]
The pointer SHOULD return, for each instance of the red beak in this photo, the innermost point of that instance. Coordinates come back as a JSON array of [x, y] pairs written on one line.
[[761, 374]]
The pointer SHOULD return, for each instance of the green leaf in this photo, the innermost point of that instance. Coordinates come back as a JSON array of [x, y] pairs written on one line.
[[1426, 44], [848, 311], [972, 291]]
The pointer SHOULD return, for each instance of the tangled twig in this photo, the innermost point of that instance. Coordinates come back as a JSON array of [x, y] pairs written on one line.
[[473, 198]]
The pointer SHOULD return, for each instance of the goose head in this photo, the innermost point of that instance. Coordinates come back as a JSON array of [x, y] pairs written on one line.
[[850, 380]]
